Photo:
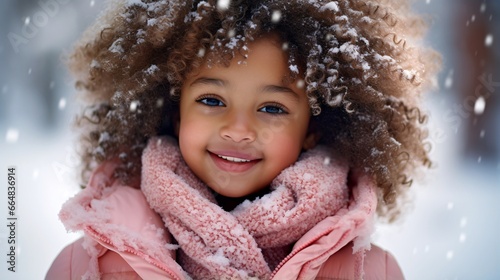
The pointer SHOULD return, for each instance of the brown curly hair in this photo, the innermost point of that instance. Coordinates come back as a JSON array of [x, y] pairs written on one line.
[[365, 69]]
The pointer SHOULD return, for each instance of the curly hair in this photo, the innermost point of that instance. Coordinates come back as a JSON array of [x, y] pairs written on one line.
[[365, 71]]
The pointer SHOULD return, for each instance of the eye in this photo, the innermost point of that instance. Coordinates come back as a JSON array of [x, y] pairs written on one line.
[[275, 109], [210, 101]]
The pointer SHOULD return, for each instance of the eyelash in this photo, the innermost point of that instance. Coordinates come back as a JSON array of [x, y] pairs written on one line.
[[208, 96], [280, 107]]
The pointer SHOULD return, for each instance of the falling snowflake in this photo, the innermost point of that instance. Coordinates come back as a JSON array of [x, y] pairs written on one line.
[[29, 71], [449, 255], [134, 105], [62, 103], [300, 83], [12, 135], [479, 106], [488, 41], [27, 21], [223, 5], [326, 161], [427, 1], [448, 82], [450, 205], [463, 222], [92, 3], [462, 238], [276, 16], [201, 52], [159, 102], [483, 8], [284, 46], [482, 133], [36, 172]]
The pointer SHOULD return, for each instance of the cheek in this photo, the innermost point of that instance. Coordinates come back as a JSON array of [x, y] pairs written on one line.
[[288, 143], [191, 133], [285, 148]]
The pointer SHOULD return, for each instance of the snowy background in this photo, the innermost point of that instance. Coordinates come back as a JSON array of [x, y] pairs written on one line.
[[452, 230]]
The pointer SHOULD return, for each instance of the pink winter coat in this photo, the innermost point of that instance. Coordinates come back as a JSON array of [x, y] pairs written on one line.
[[104, 249]]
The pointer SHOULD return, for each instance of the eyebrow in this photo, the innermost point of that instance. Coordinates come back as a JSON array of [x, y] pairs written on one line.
[[268, 88], [209, 81], [281, 89]]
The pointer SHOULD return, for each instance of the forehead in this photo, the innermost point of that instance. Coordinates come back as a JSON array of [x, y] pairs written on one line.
[[264, 57]]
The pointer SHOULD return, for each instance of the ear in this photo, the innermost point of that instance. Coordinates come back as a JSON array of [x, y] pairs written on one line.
[[313, 135]]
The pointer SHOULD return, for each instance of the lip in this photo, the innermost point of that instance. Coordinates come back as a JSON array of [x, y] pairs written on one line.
[[229, 166], [236, 154]]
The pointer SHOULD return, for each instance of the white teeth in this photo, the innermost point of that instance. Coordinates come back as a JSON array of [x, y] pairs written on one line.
[[233, 159]]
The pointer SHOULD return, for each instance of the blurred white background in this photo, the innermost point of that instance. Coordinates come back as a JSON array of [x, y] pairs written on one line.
[[452, 230]]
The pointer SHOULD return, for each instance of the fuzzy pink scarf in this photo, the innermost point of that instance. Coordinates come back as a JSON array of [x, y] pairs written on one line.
[[250, 240]]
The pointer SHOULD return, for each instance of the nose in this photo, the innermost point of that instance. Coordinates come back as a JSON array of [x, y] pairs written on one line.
[[238, 127]]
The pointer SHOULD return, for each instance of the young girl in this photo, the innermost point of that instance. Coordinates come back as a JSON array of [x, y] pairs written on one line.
[[245, 139]]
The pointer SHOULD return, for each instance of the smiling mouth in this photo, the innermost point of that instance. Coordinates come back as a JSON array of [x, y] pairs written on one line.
[[232, 164], [234, 159]]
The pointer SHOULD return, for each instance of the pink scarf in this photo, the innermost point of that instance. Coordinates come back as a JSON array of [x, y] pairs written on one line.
[[253, 238]]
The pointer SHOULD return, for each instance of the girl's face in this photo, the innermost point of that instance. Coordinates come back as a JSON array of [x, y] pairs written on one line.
[[241, 125]]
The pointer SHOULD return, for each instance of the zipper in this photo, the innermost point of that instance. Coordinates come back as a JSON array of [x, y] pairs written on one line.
[[143, 256], [294, 252]]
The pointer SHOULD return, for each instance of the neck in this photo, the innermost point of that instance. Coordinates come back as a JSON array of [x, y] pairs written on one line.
[[229, 203]]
